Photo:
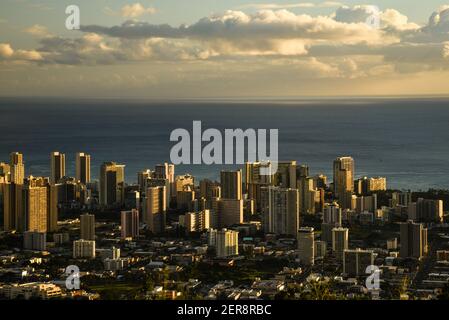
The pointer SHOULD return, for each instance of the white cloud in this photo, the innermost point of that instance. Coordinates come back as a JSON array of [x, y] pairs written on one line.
[[339, 45], [136, 10], [395, 19], [275, 6], [262, 31]]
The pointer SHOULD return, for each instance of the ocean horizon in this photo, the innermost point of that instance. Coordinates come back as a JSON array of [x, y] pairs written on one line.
[[403, 139]]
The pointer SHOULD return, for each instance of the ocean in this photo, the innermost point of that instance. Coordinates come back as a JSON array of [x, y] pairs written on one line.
[[405, 140]]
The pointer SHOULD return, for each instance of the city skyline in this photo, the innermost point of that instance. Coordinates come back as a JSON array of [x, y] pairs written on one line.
[[213, 50], [224, 155], [312, 230]]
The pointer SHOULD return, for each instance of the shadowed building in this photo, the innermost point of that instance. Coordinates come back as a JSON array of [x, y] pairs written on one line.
[[130, 224], [231, 184], [83, 167], [413, 240], [112, 183], [87, 226], [57, 167]]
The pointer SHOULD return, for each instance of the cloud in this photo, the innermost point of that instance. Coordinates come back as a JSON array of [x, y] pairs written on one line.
[[415, 57], [267, 31], [275, 6], [337, 45], [8, 53], [355, 14], [392, 18], [6, 50], [388, 19], [136, 10], [38, 30], [91, 49]]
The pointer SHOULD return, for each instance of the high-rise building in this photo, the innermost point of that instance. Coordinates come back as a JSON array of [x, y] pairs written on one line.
[[71, 190], [167, 171], [355, 262], [52, 207], [130, 224], [209, 189], [112, 184], [212, 237], [57, 166], [5, 170], [320, 181], [392, 244], [184, 182], [142, 178], [309, 196], [255, 179], [227, 243], [366, 186], [340, 241], [83, 249], [306, 245], [184, 199], [425, 210], [402, 199], [332, 214], [343, 179], [196, 221], [413, 240], [285, 176], [132, 197], [280, 210], [366, 203], [155, 208], [33, 240], [87, 226], [12, 195], [226, 212], [231, 184], [30, 206], [34, 207], [17, 168], [320, 249], [83, 167]]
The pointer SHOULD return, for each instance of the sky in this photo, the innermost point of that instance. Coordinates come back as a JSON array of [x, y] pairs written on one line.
[[174, 49]]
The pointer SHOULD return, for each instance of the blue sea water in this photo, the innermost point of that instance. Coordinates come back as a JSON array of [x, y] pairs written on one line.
[[406, 140]]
